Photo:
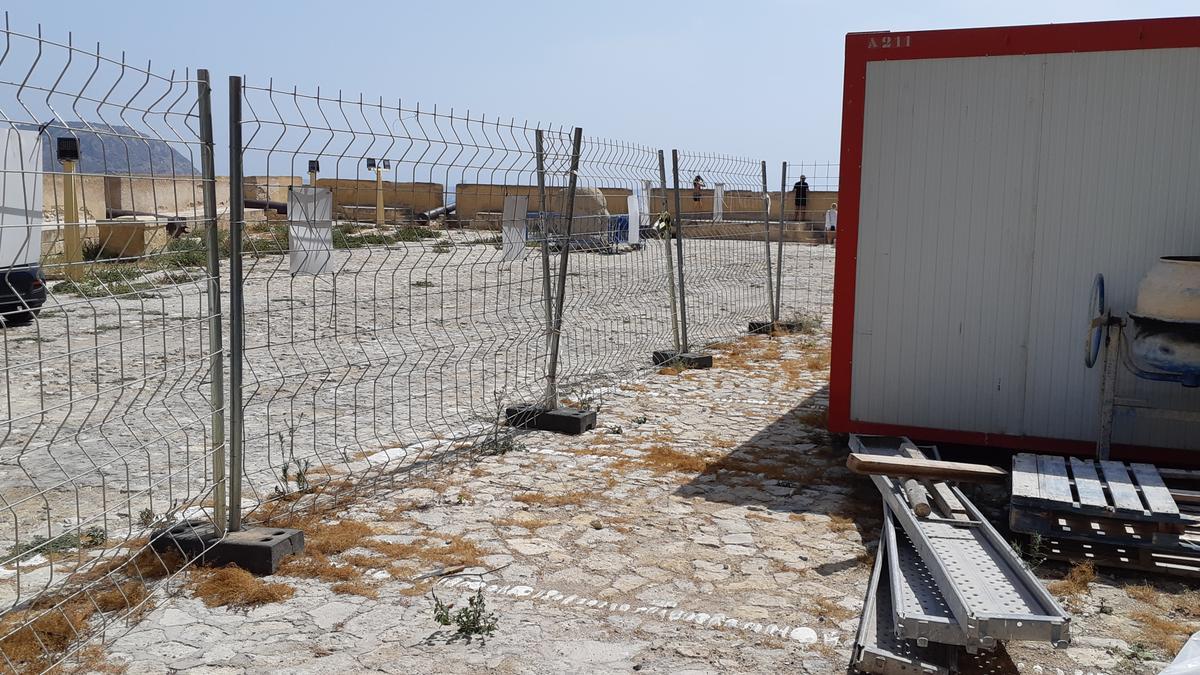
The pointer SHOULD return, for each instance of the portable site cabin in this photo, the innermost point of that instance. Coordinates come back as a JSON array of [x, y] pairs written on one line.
[[987, 176]]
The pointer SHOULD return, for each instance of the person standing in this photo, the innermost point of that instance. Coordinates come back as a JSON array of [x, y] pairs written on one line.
[[831, 224], [801, 196], [697, 191]]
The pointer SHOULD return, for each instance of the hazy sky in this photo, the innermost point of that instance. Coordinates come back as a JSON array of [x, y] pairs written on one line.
[[760, 78]]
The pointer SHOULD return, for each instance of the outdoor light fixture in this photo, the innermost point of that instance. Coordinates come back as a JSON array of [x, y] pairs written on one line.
[[314, 165], [68, 149], [370, 163], [387, 164]]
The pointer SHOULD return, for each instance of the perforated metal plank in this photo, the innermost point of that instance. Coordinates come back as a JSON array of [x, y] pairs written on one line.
[[1157, 496], [1124, 494], [877, 649], [988, 589], [1053, 481], [921, 613], [1087, 483], [1025, 477]]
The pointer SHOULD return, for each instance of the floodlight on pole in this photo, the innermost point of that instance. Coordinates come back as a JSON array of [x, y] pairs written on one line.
[[67, 151]]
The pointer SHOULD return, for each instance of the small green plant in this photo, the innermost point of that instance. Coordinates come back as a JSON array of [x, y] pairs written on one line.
[[441, 246], [68, 541], [640, 419], [146, 517], [500, 444], [1033, 555], [474, 619], [92, 249], [293, 470], [614, 429]]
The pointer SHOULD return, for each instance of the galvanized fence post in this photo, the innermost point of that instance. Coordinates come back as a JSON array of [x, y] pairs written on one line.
[[216, 350], [547, 298], [683, 335], [771, 309], [560, 294], [237, 217], [782, 234], [666, 239]]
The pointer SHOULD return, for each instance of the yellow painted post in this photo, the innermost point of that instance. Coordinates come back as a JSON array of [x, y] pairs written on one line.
[[72, 238], [379, 195]]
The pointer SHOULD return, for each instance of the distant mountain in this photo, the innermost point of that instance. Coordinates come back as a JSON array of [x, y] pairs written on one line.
[[109, 149]]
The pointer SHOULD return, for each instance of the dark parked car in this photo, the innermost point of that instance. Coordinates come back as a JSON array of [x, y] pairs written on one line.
[[22, 293]]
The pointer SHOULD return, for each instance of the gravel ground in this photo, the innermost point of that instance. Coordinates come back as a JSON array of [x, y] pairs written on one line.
[[708, 526]]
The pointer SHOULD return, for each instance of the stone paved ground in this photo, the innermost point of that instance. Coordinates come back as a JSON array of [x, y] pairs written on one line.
[[708, 526]]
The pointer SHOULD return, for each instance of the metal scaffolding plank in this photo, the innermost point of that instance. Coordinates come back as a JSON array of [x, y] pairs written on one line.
[[877, 649], [920, 611], [986, 586]]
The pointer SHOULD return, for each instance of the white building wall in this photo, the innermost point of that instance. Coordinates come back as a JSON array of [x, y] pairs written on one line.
[[993, 190]]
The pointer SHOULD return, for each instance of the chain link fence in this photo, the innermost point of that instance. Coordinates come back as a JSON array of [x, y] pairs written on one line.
[[357, 303]]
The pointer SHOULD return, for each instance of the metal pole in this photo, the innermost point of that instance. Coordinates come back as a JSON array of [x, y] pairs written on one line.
[[216, 350], [666, 239], [378, 194], [1108, 388], [237, 215], [560, 295], [72, 238], [683, 336], [547, 297], [767, 243], [779, 258]]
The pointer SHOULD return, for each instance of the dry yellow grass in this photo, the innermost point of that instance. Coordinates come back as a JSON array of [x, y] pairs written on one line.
[[443, 550], [827, 607], [235, 587], [525, 520], [317, 566], [1143, 593], [1156, 631], [357, 587], [1080, 576], [840, 523], [330, 539], [565, 499], [119, 597]]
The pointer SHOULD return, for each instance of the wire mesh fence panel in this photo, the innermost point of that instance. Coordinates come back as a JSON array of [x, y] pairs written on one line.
[[393, 303], [807, 211], [724, 219], [107, 409], [617, 305]]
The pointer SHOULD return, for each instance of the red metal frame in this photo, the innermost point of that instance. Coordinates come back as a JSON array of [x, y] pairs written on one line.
[[862, 48]]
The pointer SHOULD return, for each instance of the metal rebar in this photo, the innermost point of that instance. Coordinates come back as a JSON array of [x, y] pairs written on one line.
[[560, 294], [216, 351], [767, 243], [683, 335], [666, 239], [237, 215]]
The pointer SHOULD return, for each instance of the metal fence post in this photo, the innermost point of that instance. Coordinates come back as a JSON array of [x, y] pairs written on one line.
[[237, 217], [216, 350], [547, 298], [771, 309], [683, 335], [782, 234], [666, 239], [560, 295]]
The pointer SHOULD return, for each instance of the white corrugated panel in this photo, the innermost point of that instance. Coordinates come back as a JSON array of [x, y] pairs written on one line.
[[993, 190]]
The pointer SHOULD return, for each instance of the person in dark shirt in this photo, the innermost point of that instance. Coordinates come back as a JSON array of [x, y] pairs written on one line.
[[697, 189], [801, 196]]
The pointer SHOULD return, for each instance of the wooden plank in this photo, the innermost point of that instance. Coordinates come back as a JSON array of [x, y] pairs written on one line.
[[1185, 496], [1025, 476], [922, 468], [947, 502], [1124, 494], [1190, 475], [1087, 483], [1053, 481], [1157, 496]]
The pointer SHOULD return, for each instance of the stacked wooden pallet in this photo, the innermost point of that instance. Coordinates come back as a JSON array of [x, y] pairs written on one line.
[[1109, 512]]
